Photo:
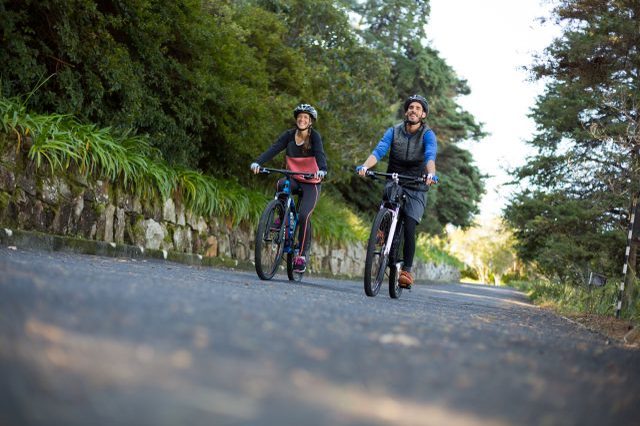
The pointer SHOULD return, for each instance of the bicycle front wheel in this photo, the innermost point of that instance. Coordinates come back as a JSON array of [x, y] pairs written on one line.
[[376, 262], [270, 240]]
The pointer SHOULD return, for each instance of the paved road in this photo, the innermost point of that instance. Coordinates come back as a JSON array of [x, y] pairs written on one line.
[[88, 340]]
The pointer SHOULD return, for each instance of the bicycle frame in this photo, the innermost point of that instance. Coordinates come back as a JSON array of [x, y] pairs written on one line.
[[289, 221], [290, 205], [277, 229], [385, 254], [395, 211], [392, 205]]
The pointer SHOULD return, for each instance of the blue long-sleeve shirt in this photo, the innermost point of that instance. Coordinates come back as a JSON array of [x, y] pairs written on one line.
[[429, 140]]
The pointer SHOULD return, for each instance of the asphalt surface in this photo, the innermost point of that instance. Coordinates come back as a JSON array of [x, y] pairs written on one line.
[[89, 340]]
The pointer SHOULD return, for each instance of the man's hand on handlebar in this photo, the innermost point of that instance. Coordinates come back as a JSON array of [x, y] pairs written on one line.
[[362, 170], [431, 179]]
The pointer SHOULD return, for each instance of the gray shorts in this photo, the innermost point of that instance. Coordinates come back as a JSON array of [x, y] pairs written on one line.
[[415, 203]]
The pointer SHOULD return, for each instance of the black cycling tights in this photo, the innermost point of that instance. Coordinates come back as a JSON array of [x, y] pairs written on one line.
[[409, 242]]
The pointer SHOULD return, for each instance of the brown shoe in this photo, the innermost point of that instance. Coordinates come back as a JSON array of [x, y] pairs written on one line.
[[406, 279]]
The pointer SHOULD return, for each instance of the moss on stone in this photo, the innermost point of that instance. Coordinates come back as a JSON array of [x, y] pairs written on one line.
[[168, 238], [5, 198]]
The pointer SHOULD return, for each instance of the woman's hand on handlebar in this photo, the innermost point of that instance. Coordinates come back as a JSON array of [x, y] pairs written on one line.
[[255, 168]]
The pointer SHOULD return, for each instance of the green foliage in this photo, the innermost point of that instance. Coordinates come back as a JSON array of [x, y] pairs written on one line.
[[396, 30], [212, 83], [334, 222], [435, 250], [62, 144], [454, 200], [586, 169], [565, 237], [572, 299]]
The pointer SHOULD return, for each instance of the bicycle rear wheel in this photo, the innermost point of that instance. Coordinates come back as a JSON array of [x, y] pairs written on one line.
[[270, 240], [376, 262], [395, 260]]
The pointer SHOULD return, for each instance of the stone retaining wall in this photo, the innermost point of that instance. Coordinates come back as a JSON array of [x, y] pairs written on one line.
[[32, 199]]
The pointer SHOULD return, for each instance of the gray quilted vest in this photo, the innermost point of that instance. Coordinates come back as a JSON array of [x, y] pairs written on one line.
[[407, 151]]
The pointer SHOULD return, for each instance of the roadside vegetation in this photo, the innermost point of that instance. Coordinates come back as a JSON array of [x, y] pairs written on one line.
[[572, 210], [61, 144], [180, 97]]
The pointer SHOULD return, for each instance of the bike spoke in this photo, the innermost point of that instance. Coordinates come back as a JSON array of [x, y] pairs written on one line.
[[269, 247]]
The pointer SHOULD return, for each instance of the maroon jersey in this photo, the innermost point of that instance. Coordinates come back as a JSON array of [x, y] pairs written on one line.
[[297, 158]]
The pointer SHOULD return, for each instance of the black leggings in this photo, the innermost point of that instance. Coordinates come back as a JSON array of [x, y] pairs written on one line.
[[309, 195], [409, 242]]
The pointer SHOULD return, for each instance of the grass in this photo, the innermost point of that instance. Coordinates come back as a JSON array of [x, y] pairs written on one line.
[[60, 143], [572, 300], [593, 307]]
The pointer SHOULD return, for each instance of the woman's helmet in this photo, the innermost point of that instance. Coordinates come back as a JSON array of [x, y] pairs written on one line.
[[417, 98], [306, 108]]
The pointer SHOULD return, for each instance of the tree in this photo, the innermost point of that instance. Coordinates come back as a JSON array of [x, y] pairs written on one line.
[[213, 82], [184, 72], [586, 168], [486, 248], [349, 82], [123, 64], [396, 29]]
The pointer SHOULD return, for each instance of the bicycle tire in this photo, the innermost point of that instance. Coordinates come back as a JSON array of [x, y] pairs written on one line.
[[375, 262], [291, 273], [395, 291], [269, 240]]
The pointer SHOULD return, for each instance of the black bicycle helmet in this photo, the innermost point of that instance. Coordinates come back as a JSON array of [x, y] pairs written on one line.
[[417, 98], [306, 108]]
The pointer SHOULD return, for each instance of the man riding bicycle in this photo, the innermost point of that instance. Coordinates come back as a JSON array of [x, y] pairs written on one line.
[[413, 148], [304, 153]]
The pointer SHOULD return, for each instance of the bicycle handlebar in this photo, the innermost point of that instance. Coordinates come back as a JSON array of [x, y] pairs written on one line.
[[374, 174], [306, 175]]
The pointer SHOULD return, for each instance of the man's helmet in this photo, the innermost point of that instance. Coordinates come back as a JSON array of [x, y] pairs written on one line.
[[306, 108], [417, 98]]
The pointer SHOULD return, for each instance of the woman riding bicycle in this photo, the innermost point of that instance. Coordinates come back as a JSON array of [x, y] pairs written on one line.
[[304, 153], [413, 149]]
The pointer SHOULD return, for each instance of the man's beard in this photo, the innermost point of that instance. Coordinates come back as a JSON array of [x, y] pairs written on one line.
[[407, 120]]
